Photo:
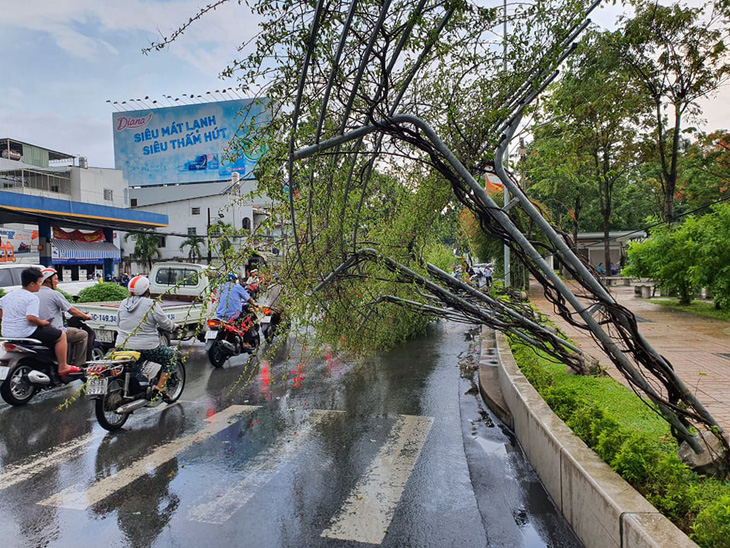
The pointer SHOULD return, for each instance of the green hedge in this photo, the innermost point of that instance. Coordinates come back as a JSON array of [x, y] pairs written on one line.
[[103, 292], [636, 443]]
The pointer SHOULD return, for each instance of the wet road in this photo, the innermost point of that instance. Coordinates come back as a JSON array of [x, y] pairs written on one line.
[[295, 450]]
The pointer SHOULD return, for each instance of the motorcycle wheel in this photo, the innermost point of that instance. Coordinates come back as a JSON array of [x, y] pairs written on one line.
[[176, 384], [106, 405], [97, 353], [255, 338], [16, 388], [217, 355]]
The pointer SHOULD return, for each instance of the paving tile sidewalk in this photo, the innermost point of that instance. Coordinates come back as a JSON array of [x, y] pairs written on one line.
[[693, 345]]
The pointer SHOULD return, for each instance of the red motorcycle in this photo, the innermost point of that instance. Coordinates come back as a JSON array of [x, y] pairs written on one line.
[[225, 339]]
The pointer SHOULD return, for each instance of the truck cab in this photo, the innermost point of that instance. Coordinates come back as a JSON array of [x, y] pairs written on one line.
[[179, 281]]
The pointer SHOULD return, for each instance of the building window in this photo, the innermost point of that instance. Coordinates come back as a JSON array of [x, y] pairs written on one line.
[[108, 194], [162, 241], [246, 223], [196, 211], [133, 202], [192, 231]]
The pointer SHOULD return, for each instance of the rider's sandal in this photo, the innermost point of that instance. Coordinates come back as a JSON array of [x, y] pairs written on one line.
[[161, 394]]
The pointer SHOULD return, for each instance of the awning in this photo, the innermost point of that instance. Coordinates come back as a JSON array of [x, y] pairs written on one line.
[[72, 249]]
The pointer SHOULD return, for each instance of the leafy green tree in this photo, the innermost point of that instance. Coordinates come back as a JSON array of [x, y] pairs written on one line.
[[711, 267], [704, 176], [678, 55], [146, 247], [220, 238], [193, 244], [588, 135]]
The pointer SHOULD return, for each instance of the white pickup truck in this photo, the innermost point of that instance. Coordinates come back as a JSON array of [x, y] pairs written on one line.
[[185, 299]]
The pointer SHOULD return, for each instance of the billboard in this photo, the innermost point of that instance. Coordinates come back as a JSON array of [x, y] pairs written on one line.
[[187, 143]]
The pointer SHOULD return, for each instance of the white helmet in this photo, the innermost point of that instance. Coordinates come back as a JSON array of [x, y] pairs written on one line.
[[47, 273], [138, 285]]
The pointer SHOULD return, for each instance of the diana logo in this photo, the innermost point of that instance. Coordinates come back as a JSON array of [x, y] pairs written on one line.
[[124, 122]]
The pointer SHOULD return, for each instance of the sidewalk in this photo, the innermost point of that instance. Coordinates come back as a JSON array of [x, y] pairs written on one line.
[[697, 347]]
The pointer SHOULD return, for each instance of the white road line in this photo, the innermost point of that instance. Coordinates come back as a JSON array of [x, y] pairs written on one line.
[[15, 473], [75, 499], [369, 509], [223, 505]]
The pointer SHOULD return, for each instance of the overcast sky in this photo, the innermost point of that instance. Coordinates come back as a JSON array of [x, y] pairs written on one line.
[[63, 60]]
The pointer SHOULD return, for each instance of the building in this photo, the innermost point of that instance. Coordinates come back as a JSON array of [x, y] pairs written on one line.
[[590, 246], [55, 210], [195, 209], [177, 163]]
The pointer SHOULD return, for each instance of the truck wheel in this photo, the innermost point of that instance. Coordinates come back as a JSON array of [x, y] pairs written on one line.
[[217, 355]]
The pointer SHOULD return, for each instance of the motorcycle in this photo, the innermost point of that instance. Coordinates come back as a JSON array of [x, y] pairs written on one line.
[[28, 367], [270, 323], [122, 383], [225, 339]]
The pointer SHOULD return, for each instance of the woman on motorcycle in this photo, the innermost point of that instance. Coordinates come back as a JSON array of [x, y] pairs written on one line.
[[138, 319]]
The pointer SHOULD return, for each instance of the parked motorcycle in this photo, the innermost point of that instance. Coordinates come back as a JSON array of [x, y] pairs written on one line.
[[27, 367], [122, 383], [225, 339]]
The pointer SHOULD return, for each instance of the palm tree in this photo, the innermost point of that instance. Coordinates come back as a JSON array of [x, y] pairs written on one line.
[[146, 247], [193, 243], [220, 237]]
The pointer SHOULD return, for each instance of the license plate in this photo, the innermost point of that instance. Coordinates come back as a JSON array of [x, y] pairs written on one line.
[[211, 334], [105, 335], [4, 372], [266, 319], [96, 386]]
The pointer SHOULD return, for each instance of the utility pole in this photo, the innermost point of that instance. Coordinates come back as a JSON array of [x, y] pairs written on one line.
[[506, 156], [207, 236]]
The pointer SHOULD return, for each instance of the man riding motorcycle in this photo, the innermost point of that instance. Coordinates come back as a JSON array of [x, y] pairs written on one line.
[[20, 319], [138, 319], [52, 306], [231, 297]]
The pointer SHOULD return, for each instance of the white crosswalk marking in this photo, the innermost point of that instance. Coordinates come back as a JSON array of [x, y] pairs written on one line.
[[14, 474], [223, 505], [369, 509], [76, 499]]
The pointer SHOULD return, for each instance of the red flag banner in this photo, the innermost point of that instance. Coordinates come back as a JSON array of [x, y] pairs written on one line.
[[493, 184], [78, 235]]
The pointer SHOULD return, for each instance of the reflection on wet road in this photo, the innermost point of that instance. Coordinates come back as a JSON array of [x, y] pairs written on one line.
[[297, 449]]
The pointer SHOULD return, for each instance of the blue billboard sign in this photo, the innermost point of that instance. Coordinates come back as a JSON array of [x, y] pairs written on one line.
[[187, 143]]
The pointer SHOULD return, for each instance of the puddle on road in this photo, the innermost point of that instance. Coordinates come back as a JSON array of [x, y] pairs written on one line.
[[490, 446]]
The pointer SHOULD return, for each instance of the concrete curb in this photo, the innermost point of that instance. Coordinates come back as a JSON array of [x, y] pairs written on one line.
[[603, 509]]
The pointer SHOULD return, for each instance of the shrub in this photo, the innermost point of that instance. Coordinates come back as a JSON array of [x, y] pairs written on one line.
[[636, 443], [563, 401], [68, 296], [712, 526], [102, 292], [609, 442]]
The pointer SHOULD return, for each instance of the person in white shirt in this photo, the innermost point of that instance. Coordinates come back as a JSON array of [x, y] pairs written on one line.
[[19, 314], [52, 306]]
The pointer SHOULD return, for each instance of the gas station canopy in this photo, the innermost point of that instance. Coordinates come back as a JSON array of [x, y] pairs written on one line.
[[25, 208]]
